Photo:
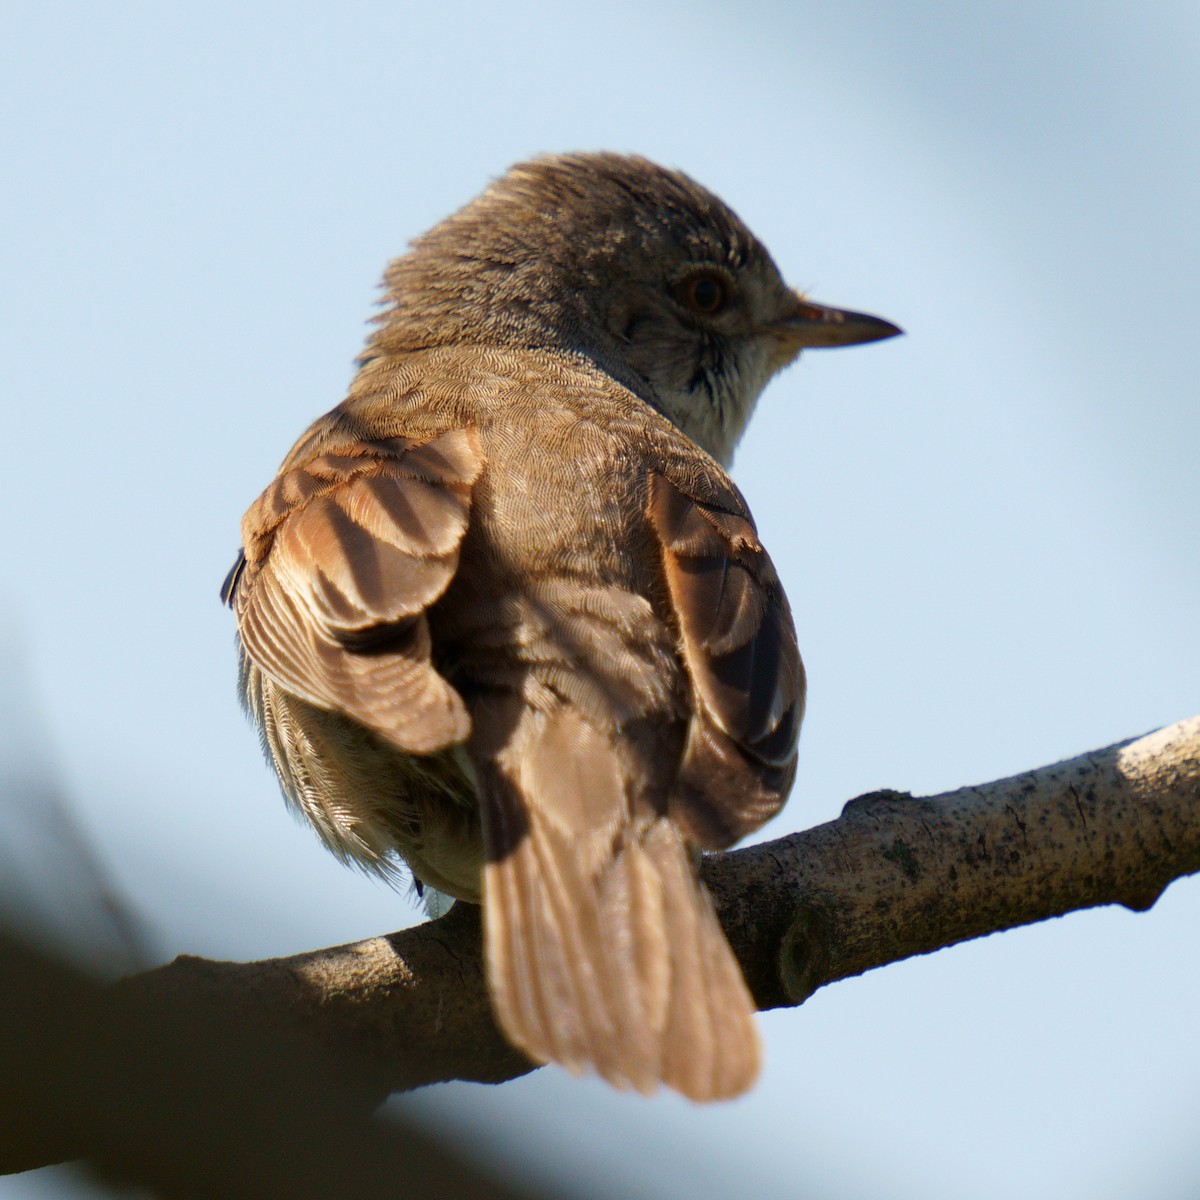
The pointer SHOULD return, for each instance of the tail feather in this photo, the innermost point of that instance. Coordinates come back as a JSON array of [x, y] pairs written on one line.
[[712, 1048], [607, 956]]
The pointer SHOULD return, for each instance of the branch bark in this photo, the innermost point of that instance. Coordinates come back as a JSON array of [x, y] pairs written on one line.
[[196, 1101], [893, 876]]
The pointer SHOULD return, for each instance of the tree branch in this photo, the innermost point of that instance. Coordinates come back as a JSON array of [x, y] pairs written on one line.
[[896, 876], [893, 876]]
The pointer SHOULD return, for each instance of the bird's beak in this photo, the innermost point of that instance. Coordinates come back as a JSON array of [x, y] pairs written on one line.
[[807, 325]]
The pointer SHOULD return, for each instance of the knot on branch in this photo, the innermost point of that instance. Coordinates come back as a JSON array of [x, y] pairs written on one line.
[[804, 954]]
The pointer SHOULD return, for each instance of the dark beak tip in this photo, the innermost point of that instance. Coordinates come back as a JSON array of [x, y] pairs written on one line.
[[886, 330], [857, 329]]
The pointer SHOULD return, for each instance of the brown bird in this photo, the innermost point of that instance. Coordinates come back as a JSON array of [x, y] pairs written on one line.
[[505, 619]]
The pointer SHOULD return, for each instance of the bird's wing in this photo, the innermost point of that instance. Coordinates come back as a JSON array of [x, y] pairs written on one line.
[[342, 555], [739, 646]]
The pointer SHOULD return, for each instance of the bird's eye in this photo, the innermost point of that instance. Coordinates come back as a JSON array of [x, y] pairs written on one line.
[[705, 293]]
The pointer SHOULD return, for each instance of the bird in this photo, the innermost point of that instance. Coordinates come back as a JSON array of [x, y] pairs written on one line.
[[505, 622]]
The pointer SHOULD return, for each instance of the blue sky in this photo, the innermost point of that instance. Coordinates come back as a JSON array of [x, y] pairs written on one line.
[[988, 529]]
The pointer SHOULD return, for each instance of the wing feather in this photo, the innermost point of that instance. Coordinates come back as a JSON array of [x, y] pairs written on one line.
[[343, 555], [739, 647]]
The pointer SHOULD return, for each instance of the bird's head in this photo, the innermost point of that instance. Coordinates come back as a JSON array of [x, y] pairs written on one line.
[[634, 267]]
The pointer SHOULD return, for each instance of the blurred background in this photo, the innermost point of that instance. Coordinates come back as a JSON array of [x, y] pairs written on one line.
[[988, 529]]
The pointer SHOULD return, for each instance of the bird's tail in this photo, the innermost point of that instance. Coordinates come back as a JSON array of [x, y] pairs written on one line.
[[603, 948]]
